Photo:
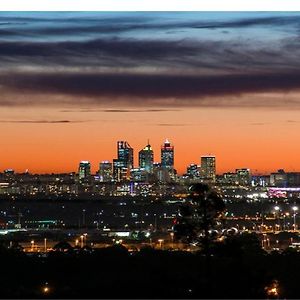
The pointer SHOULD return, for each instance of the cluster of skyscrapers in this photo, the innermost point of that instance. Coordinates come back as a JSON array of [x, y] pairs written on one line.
[[122, 168]]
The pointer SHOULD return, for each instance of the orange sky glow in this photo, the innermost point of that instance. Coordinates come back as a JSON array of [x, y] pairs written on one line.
[[260, 139]]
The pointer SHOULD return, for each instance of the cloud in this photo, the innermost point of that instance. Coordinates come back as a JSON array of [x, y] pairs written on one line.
[[172, 125], [258, 124], [93, 110], [251, 21], [87, 41], [75, 24], [291, 121], [82, 58], [115, 53], [103, 52], [155, 90], [40, 121]]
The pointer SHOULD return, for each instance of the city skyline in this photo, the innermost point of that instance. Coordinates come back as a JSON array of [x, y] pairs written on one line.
[[219, 83], [142, 159]]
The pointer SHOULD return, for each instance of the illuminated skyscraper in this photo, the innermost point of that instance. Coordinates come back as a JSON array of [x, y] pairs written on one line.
[[105, 171], [167, 155], [125, 154], [208, 168], [84, 169], [146, 158], [124, 163]]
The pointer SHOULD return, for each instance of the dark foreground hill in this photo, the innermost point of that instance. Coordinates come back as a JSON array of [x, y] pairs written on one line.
[[237, 268]]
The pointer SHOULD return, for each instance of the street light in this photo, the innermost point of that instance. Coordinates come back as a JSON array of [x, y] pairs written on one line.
[[81, 241], [276, 214], [45, 244], [284, 221], [45, 288], [295, 208], [160, 243], [172, 239], [32, 245], [272, 290], [85, 235]]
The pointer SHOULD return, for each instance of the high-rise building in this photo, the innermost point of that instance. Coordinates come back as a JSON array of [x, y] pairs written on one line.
[[167, 155], [84, 169], [105, 171], [119, 171], [138, 174], [243, 176], [146, 158], [208, 168], [125, 154], [124, 163]]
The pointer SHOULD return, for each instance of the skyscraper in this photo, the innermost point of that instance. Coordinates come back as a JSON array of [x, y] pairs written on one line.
[[208, 168], [124, 163], [84, 169], [167, 155], [146, 158], [125, 154], [105, 171]]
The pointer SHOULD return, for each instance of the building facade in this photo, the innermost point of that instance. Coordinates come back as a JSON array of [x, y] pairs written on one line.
[[167, 155], [208, 168], [146, 158], [84, 170]]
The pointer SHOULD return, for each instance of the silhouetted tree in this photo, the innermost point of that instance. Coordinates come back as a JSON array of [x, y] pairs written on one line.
[[199, 216], [63, 247]]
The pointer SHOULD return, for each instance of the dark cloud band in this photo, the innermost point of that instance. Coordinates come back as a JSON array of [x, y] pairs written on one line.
[[137, 89]]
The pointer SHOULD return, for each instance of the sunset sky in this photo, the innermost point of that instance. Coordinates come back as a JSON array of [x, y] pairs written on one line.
[[72, 84]]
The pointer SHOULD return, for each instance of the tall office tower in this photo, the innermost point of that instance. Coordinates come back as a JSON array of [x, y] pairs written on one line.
[[105, 171], [167, 155], [84, 169], [124, 163], [125, 154], [208, 168], [146, 158], [243, 176]]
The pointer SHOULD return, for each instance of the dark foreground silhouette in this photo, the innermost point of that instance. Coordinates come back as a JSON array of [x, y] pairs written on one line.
[[237, 268]]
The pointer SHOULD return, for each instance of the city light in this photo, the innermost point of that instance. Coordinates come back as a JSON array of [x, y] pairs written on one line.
[[295, 209], [46, 288], [160, 243], [272, 290]]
